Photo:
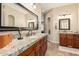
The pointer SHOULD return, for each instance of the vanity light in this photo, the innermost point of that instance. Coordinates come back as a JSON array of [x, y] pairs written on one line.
[[61, 16], [65, 16]]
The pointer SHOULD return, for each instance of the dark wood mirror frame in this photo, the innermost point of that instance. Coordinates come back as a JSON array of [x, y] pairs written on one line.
[[64, 20], [8, 28]]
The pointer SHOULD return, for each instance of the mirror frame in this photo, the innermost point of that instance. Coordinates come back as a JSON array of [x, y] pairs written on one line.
[[68, 23], [9, 28]]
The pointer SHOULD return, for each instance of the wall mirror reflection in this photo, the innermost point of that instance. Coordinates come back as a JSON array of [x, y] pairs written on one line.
[[16, 15]]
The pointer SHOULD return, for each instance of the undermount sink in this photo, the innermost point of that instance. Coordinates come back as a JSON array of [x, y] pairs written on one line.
[[25, 40], [32, 37]]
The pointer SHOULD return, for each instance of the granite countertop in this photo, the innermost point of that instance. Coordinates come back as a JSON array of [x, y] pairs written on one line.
[[17, 46], [69, 32]]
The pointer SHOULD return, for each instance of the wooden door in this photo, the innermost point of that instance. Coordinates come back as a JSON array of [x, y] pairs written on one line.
[[70, 38], [63, 39], [32, 53], [37, 52], [27, 52], [39, 48]]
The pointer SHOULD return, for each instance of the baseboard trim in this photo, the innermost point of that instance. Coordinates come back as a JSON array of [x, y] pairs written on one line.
[[53, 42]]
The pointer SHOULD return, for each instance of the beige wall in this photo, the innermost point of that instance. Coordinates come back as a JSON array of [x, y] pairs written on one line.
[[50, 25], [19, 17], [54, 14], [78, 17]]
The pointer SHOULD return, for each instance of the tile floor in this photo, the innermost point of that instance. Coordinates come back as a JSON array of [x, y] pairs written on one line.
[[53, 50]]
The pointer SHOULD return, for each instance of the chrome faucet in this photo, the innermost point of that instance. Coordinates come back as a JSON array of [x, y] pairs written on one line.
[[19, 31], [30, 32]]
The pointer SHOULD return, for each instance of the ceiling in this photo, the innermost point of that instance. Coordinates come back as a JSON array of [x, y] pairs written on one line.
[[47, 6]]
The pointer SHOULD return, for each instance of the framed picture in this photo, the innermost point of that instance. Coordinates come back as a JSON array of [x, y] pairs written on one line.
[[64, 24], [31, 25]]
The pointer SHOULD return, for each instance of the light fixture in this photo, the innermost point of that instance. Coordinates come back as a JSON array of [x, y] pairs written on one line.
[[33, 4], [65, 16]]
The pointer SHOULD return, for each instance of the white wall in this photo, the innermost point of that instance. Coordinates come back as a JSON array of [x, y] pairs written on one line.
[[54, 14]]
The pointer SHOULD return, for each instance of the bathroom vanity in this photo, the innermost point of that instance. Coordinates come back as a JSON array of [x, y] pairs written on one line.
[[29, 46], [69, 40], [37, 49], [20, 20]]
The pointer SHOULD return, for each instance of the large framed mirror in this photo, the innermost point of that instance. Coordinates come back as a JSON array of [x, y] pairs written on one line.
[[14, 15], [64, 24]]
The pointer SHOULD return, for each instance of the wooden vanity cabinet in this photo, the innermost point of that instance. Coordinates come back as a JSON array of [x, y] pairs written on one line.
[[37, 49], [5, 39], [44, 47], [28, 52], [76, 41], [63, 41], [69, 40], [41, 47]]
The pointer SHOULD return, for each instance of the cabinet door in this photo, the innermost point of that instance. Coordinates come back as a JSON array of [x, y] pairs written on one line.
[[63, 40], [45, 43], [32, 53], [76, 41], [37, 52], [70, 38], [44, 48], [39, 49], [28, 51]]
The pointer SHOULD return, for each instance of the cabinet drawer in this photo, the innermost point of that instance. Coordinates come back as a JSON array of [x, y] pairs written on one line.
[[40, 42], [70, 36]]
